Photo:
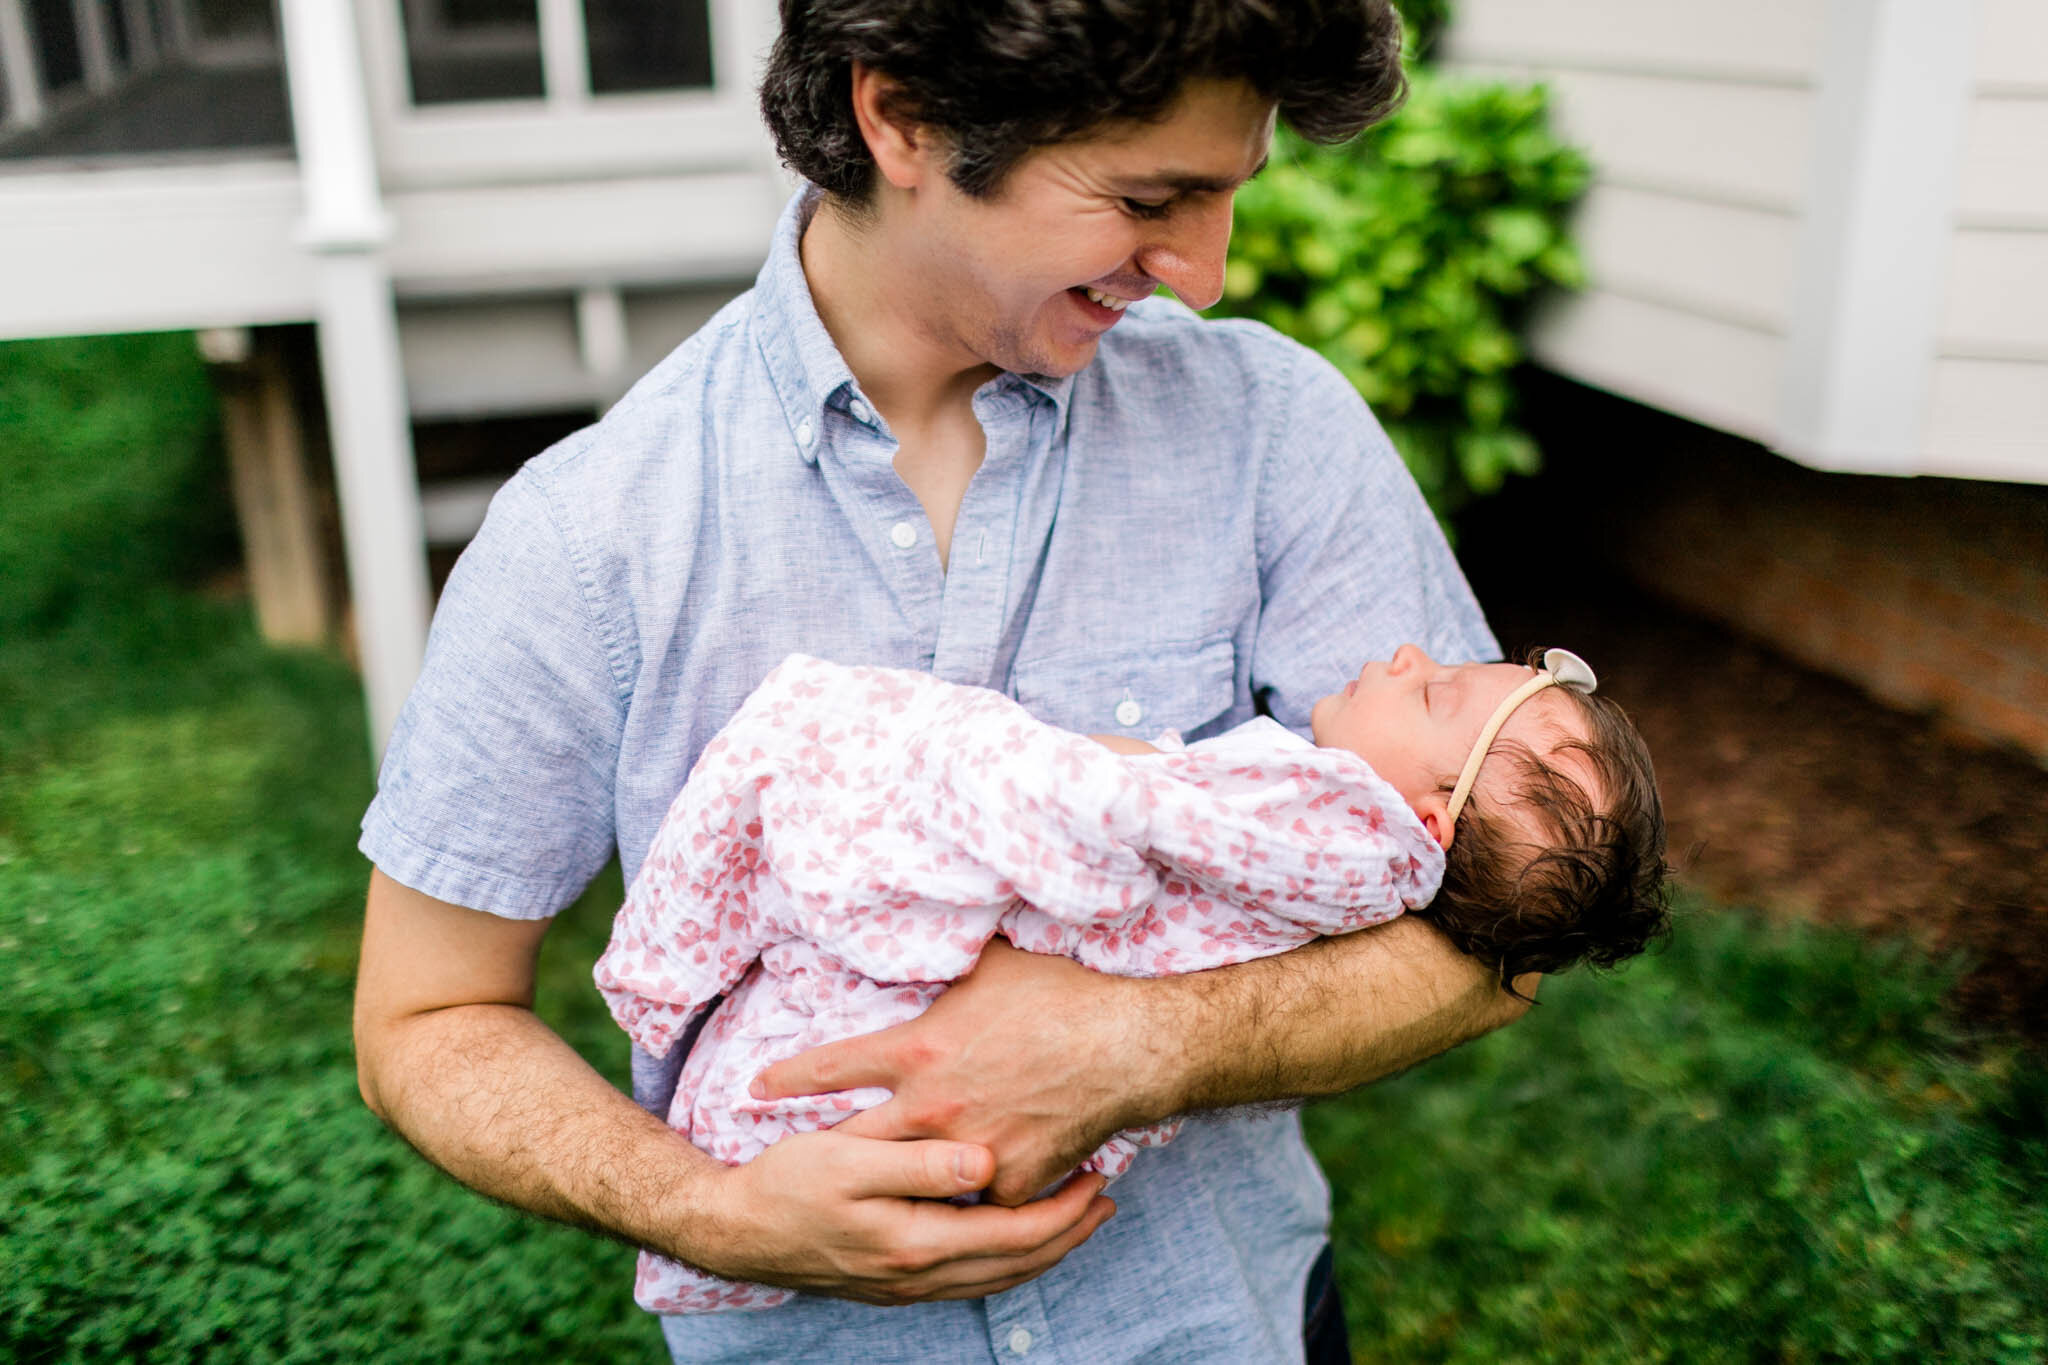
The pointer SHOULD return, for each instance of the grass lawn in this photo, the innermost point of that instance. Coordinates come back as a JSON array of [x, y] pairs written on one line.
[[1760, 1145]]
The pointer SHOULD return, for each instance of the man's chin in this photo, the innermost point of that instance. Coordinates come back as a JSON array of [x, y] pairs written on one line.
[[1059, 362]]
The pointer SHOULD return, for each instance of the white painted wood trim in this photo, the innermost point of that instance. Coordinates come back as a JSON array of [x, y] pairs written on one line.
[[95, 49], [331, 123], [18, 60], [1888, 140], [382, 535], [179, 27], [564, 54], [362, 374], [152, 248], [142, 45], [525, 141], [601, 335]]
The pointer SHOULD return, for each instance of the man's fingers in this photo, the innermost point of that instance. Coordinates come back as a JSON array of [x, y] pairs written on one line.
[[975, 1277], [843, 1065], [987, 1230], [920, 1170]]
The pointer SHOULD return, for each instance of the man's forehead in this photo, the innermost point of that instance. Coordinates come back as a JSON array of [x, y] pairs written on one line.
[[1214, 136]]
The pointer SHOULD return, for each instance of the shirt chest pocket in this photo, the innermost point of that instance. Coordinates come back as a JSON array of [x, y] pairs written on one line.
[[1138, 692]]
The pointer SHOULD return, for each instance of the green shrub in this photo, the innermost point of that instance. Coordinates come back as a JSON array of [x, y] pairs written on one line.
[[1408, 258], [110, 461], [1425, 20]]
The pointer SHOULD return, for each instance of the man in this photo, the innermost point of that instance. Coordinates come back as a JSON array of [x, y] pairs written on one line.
[[944, 431]]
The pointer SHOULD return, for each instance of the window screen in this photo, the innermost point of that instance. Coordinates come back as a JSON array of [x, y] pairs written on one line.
[[56, 43], [647, 44], [473, 50]]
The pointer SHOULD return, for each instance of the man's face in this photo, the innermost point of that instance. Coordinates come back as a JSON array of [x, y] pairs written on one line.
[[1029, 279], [1415, 720]]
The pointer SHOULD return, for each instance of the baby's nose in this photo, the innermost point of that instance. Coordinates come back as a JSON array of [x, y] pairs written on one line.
[[1407, 657]]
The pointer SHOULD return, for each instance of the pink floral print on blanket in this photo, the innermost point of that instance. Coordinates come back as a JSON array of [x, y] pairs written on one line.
[[854, 836]]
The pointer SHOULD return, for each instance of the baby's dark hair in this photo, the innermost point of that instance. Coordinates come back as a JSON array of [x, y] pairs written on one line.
[[1594, 887]]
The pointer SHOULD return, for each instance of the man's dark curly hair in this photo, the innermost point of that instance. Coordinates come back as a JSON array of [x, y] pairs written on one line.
[[997, 78], [1593, 886]]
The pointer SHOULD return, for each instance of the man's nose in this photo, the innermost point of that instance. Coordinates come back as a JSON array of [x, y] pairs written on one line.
[[1186, 253]]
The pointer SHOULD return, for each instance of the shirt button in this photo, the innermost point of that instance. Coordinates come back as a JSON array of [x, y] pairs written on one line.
[[803, 432], [903, 534], [860, 411], [1020, 1340], [1129, 713]]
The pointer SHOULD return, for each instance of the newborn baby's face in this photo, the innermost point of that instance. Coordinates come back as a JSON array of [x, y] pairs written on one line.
[[1415, 721]]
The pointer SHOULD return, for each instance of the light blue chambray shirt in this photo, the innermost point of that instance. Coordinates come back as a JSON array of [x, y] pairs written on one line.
[[1204, 523]]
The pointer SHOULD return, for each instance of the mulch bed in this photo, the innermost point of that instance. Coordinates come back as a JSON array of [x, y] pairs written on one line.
[[1797, 793]]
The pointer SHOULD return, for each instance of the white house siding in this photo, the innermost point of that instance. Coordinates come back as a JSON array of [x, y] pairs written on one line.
[[1701, 136], [1716, 372], [1721, 214], [1989, 416]]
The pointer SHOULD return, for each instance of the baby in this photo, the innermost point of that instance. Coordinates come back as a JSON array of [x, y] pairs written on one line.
[[1554, 849], [854, 836]]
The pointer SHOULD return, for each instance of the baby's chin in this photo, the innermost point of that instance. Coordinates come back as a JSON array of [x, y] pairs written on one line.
[[1316, 714]]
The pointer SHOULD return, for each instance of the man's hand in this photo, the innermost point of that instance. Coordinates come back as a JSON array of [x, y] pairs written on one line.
[[451, 1055], [860, 1219], [1039, 1059], [1027, 1055]]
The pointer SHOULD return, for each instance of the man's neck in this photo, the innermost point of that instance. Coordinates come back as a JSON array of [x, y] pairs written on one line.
[[875, 307]]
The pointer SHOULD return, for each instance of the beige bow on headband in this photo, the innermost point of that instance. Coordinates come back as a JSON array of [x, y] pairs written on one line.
[[1561, 668]]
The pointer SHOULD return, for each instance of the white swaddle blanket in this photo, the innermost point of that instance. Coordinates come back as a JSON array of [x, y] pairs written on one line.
[[854, 836]]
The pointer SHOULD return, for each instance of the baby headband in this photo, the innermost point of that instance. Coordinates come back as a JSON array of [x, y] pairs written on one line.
[[1561, 668]]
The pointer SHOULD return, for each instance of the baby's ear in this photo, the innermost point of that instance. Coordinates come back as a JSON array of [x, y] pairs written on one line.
[[1435, 810]]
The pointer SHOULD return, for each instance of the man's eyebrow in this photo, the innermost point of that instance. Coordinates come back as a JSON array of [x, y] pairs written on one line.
[[1187, 182]]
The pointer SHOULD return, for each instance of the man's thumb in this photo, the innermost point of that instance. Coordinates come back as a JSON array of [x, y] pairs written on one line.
[[931, 1169]]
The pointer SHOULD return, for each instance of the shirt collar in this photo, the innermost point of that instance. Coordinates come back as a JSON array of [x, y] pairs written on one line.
[[803, 363]]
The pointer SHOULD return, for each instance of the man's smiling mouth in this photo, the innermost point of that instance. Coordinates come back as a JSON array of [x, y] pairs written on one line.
[[1109, 301]]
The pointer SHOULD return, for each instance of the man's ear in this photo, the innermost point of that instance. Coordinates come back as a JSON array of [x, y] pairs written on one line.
[[1435, 810], [903, 150]]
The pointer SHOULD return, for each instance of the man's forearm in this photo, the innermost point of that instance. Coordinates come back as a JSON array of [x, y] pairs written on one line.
[[1325, 1018], [492, 1096], [450, 1054]]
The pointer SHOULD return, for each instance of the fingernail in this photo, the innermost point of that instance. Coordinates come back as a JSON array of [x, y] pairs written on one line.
[[960, 1167], [756, 1089]]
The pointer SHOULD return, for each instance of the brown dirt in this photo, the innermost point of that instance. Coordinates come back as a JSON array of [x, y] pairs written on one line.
[[1796, 793]]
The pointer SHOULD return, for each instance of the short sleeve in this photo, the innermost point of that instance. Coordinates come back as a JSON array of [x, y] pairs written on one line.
[[497, 788], [1352, 563]]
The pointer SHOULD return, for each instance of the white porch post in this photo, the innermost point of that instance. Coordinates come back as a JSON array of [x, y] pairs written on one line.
[[359, 359], [564, 54], [95, 45], [142, 50], [1889, 122], [178, 28], [18, 62]]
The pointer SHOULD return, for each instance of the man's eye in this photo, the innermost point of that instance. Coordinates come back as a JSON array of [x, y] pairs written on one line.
[[1139, 208]]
